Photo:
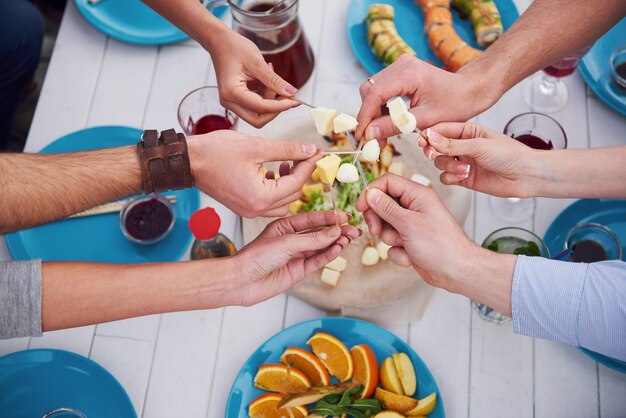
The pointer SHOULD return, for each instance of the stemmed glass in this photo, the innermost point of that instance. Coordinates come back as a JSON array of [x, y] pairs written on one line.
[[200, 112], [537, 131], [545, 92]]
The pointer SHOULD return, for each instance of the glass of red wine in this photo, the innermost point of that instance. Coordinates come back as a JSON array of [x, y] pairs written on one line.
[[545, 91], [537, 131], [200, 112]]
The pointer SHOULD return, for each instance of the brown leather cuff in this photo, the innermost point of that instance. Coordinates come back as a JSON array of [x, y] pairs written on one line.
[[164, 161]]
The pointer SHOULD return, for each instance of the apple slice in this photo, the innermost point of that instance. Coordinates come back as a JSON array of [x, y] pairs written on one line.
[[328, 167], [425, 406], [347, 173], [406, 373], [323, 118], [371, 151], [395, 402], [389, 377], [344, 123]]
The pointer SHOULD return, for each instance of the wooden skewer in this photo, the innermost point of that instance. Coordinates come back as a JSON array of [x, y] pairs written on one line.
[[357, 152], [111, 207]]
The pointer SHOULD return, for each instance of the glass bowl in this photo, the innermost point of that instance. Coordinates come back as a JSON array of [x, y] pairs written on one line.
[[618, 57], [598, 239], [147, 219]]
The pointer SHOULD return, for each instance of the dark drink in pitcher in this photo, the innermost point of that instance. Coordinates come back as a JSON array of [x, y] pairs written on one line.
[[276, 31]]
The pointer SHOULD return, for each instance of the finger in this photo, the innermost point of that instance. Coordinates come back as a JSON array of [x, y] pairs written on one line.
[[304, 221], [269, 150], [376, 96], [284, 169], [452, 166], [430, 152], [450, 179], [253, 118], [399, 256], [373, 221], [422, 141], [320, 259], [381, 128], [453, 147], [270, 175], [277, 212], [292, 183], [348, 234], [295, 244], [273, 81], [459, 130], [408, 193], [252, 101], [390, 236]]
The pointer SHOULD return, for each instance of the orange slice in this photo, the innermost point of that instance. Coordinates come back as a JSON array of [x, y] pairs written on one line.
[[365, 369], [265, 406], [308, 364], [334, 354], [280, 378]]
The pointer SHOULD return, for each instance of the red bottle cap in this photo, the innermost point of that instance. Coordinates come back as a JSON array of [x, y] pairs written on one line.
[[205, 224]]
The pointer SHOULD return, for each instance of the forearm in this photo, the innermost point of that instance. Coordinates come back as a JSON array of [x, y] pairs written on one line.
[[579, 173], [76, 294], [547, 31], [39, 188], [193, 18]]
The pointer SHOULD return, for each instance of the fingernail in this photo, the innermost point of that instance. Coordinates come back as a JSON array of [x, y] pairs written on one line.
[[466, 174], [373, 196], [373, 132], [465, 168], [434, 136], [430, 155], [360, 232], [289, 89], [309, 149], [349, 216]]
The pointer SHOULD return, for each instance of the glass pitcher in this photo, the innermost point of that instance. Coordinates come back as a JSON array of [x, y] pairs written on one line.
[[274, 27]]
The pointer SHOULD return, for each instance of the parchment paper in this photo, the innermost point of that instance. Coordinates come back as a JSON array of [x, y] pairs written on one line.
[[384, 293]]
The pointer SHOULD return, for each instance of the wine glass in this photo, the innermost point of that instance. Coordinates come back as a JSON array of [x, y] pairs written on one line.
[[537, 131], [544, 91], [200, 112]]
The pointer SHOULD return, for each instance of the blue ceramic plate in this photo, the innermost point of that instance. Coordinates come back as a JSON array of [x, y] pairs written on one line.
[[610, 213], [99, 238], [132, 21], [595, 68], [351, 332], [34, 382], [409, 20]]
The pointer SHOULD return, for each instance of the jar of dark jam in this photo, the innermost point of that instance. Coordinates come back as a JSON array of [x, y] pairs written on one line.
[[209, 243], [147, 219]]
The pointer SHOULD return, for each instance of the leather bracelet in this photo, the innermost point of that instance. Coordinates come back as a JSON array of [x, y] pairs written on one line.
[[164, 161]]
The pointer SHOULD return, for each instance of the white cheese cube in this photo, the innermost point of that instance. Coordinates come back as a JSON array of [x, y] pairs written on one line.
[[370, 256], [400, 115], [344, 123], [338, 264], [410, 126], [383, 250], [371, 151], [396, 168], [327, 168], [323, 118], [330, 277], [423, 180], [347, 173]]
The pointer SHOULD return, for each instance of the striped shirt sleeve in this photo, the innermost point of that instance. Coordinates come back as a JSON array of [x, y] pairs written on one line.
[[574, 303]]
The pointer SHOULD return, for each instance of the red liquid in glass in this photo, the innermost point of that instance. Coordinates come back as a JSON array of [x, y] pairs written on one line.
[[534, 142], [210, 123], [558, 72], [294, 62]]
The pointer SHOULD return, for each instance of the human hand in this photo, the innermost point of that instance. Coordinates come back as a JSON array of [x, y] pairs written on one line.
[[487, 161], [287, 251], [436, 95], [247, 84], [228, 166], [424, 235]]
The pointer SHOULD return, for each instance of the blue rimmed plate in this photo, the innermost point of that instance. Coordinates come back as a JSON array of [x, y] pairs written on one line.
[[351, 332], [607, 212], [409, 20], [132, 21], [99, 238], [595, 68], [34, 382]]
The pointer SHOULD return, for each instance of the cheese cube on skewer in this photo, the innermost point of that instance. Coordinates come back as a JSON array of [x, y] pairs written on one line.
[[371, 151], [328, 167], [370, 256], [330, 277], [338, 264], [347, 173], [344, 123], [383, 250], [323, 118], [400, 116]]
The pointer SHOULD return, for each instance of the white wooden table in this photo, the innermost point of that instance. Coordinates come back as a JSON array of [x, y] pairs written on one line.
[[183, 364]]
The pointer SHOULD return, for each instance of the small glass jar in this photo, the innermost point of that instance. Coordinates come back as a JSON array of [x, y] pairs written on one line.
[[209, 243], [618, 66], [147, 219], [65, 413], [593, 242]]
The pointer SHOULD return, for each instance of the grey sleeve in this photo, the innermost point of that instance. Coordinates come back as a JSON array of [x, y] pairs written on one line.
[[20, 299]]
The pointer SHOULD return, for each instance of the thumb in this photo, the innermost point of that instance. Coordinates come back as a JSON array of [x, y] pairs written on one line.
[[453, 147], [387, 208], [381, 128], [266, 75], [285, 151]]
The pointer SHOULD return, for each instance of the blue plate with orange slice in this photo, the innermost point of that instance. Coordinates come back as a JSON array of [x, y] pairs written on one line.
[[349, 331]]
